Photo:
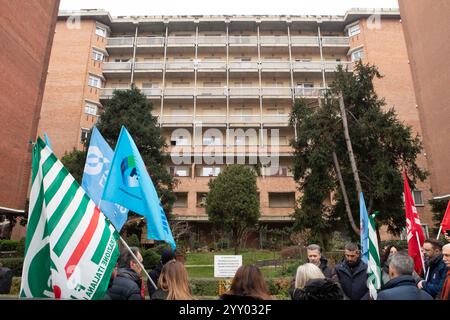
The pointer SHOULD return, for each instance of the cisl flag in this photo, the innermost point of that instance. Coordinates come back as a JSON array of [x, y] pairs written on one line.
[[71, 249], [445, 224], [413, 227]]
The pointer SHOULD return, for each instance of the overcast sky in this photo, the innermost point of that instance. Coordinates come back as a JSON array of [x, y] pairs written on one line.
[[227, 7]]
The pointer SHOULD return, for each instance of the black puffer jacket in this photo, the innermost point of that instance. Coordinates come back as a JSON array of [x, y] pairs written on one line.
[[353, 280], [126, 285], [154, 274], [319, 289]]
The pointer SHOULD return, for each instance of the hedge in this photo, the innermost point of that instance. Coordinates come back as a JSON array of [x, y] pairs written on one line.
[[8, 245], [15, 264]]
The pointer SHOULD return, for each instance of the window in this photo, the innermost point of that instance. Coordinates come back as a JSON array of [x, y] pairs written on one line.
[[417, 196], [179, 141], [357, 55], [91, 109], [181, 200], [95, 81], [212, 141], [100, 31], [281, 200], [84, 135], [97, 55], [201, 199], [180, 171], [210, 171], [354, 30]]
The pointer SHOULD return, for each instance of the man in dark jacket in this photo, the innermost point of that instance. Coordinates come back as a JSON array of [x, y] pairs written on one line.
[[352, 274], [166, 256], [127, 285], [402, 285], [435, 266], [314, 253]]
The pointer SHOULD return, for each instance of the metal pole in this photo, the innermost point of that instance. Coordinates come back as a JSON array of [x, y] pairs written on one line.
[[439, 233], [421, 256]]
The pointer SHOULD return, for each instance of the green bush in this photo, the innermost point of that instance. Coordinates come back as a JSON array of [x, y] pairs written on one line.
[[133, 241], [204, 287], [279, 287], [15, 264], [223, 243], [150, 258], [21, 248], [8, 245]]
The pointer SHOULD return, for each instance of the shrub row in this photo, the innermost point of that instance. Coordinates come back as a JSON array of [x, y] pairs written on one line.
[[15, 264]]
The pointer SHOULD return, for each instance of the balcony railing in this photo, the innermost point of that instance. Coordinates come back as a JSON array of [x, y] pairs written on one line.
[[309, 92], [212, 66], [212, 92], [276, 91], [244, 118], [180, 91], [150, 41], [179, 65], [120, 42], [275, 65], [212, 40], [309, 41], [308, 66], [106, 93], [151, 92], [239, 91], [243, 66], [181, 41], [177, 119], [117, 66], [274, 40], [276, 118], [216, 118], [243, 40], [149, 66], [331, 66], [335, 41]]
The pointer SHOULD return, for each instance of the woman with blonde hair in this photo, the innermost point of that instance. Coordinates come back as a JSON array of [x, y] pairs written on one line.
[[173, 283], [248, 284], [311, 284]]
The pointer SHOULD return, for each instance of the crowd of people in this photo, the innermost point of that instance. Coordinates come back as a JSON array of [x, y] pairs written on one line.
[[314, 280]]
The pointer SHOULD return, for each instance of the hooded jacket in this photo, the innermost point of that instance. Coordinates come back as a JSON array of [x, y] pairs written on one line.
[[319, 289]]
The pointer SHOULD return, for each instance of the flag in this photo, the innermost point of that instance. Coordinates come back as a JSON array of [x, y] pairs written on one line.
[[364, 229], [413, 228], [129, 185], [445, 224], [71, 249], [47, 141], [96, 170], [374, 265]]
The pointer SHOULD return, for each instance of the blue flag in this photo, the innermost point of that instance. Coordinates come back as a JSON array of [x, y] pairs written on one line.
[[130, 185], [96, 170], [364, 229], [47, 141]]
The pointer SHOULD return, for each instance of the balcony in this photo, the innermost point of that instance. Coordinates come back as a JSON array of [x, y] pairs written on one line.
[[116, 67], [181, 41], [275, 66], [305, 41], [239, 92], [107, 93], [212, 41], [120, 42], [335, 41], [243, 40], [177, 119], [154, 66], [276, 119], [212, 92], [276, 92], [177, 66], [150, 41], [180, 92], [307, 66], [243, 66], [212, 66], [331, 66], [244, 119], [152, 93], [211, 119], [302, 92], [274, 40]]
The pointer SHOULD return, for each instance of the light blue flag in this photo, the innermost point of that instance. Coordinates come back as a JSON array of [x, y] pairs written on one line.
[[364, 229], [47, 141], [96, 170], [130, 185]]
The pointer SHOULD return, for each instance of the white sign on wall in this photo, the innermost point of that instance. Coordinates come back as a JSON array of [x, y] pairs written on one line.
[[226, 266]]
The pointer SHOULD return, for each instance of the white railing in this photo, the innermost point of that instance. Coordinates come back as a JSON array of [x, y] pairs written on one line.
[[176, 65], [175, 41], [252, 40], [275, 118], [240, 91], [212, 91], [154, 65], [120, 42], [276, 91], [308, 65], [244, 118], [274, 40], [309, 92], [174, 119], [216, 118], [336, 41], [180, 91], [243, 65], [212, 40], [275, 65], [108, 92], [151, 92], [150, 41], [117, 66], [305, 40], [209, 65], [332, 65]]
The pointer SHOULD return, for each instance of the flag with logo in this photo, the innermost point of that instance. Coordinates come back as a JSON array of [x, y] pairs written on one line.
[[71, 249], [130, 185], [374, 265], [414, 230], [96, 170], [445, 224], [364, 229]]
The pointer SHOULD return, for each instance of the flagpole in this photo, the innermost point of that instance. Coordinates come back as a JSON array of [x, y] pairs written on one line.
[[420, 251], [439, 232], [130, 251]]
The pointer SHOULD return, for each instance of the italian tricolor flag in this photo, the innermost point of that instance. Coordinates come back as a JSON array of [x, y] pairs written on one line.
[[71, 249]]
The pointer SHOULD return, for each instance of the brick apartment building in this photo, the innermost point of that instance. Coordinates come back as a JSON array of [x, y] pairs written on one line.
[[221, 72]]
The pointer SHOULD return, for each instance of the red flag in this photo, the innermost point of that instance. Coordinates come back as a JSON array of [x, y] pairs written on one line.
[[445, 224], [413, 228]]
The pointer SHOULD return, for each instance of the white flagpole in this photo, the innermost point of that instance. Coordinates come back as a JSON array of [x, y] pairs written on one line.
[[439, 232], [420, 251]]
